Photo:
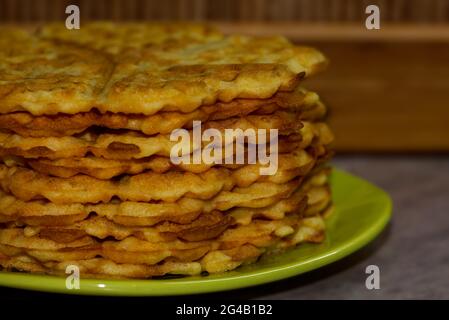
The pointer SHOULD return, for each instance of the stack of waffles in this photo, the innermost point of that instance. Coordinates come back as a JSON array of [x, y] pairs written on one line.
[[95, 169]]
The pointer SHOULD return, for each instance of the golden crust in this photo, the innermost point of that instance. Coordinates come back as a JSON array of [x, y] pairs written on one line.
[[105, 169], [133, 145], [105, 268], [57, 247], [234, 67], [39, 212], [41, 75], [149, 252], [300, 102], [175, 73], [27, 185], [120, 146], [313, 193], [207, 226], [99, 267], [116, 38], [136, 258]]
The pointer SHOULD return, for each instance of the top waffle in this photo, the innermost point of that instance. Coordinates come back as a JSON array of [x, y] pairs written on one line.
[[143, 68]]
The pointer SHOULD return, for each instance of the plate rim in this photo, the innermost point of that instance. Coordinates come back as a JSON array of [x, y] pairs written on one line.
[[184, 286]]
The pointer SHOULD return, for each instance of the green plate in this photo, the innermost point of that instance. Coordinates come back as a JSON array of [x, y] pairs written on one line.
[[361, 212]]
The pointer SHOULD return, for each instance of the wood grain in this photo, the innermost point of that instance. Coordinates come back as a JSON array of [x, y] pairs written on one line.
[[387, 90], [387, 96], [345, 32], [419, 11]]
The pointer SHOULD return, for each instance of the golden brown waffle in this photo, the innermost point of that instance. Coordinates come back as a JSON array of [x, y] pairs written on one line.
[[101, 168], [305, 105], [183, 211], [132, 145], [311, 198], [230, 250], [178, 75], [29, 185]]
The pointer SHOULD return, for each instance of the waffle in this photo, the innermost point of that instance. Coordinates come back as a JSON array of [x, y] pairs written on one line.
[[175, 75]]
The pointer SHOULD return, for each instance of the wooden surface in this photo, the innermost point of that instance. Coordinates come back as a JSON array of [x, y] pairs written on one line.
[[412, 253], [387, 90], [386, 96], [341, 32]]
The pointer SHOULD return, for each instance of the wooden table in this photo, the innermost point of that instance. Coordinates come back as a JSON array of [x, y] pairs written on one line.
[[387, 90]]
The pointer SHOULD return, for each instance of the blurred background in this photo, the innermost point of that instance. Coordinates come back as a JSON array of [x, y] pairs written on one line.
[[387, 89], [413, 11], [388, 95]]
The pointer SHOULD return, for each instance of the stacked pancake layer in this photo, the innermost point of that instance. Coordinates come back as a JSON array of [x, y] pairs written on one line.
[[86, 177]]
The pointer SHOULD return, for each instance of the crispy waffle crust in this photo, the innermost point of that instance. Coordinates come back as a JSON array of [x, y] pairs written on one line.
[[232, 248], [303, 104], [131, 145], [218, 241], [277, 201], [63, 72]]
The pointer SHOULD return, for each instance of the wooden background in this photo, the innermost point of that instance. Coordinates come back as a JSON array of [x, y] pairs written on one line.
[[387, 90], [420, 11]]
